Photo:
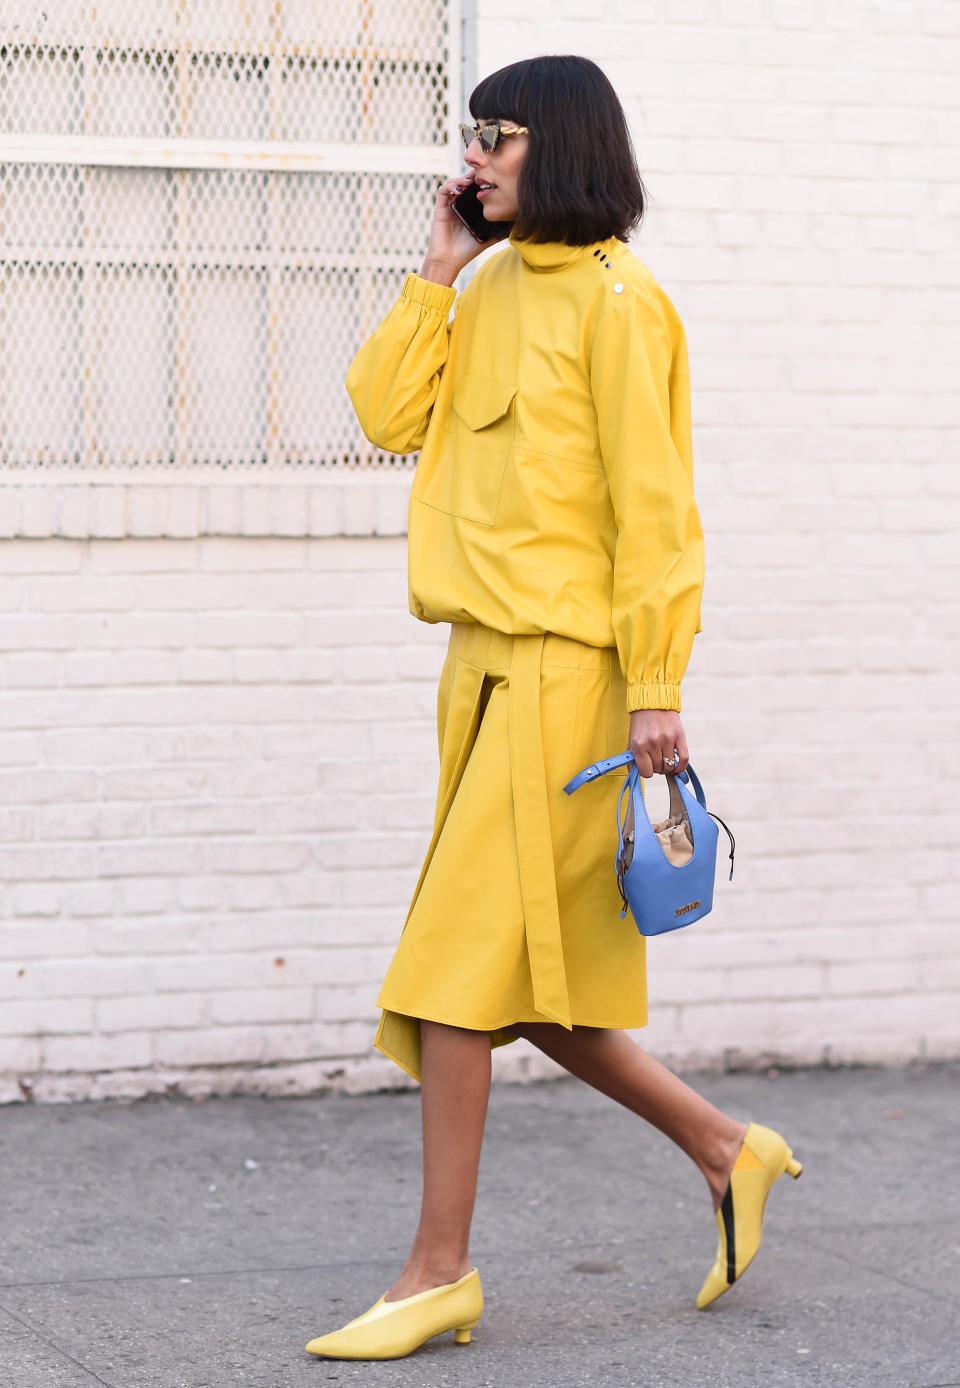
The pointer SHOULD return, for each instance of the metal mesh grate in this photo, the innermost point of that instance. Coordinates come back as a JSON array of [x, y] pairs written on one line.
[[200, 221]]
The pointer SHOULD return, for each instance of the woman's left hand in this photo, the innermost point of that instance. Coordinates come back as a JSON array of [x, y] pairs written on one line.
[[654, 734]]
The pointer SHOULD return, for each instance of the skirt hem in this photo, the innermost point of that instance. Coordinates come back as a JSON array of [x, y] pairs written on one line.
[[420, 1016], [409, 1033]]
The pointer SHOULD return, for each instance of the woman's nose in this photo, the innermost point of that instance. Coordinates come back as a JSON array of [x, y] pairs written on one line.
[[473, 154]]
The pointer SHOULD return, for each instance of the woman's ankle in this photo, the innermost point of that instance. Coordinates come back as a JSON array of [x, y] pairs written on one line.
[[718, 1163], [423, 1274]]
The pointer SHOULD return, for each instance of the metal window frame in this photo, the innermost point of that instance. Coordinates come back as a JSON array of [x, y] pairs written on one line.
[[184, 156], [264, 156]]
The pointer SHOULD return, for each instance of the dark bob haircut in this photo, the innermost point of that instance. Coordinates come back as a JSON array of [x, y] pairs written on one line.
[[579, 182]]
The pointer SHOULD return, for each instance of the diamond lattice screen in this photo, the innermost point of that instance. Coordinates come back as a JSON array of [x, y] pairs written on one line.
[[185, 270]]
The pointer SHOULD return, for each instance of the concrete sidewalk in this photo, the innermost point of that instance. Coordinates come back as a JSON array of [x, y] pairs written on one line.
[[194, 1245]]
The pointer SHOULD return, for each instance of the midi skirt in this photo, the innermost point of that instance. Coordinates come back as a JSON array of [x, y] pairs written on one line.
[[516, 915]]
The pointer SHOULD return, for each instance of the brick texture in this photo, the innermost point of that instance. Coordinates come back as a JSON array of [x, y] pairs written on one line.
[[213, 812], [217, 752]]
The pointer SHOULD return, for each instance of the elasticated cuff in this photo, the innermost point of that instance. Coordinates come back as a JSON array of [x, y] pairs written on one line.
[[653, 696], [427, 293]]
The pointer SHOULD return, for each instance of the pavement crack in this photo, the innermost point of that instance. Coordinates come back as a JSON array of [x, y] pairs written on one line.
[[890, 1277], [57, 1349], [180, 1273], [489, 1255]]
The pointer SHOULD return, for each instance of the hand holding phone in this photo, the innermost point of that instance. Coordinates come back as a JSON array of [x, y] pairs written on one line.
[[459, 231], [469, 209]]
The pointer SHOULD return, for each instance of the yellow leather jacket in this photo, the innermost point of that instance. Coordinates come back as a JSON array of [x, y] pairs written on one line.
[[554, 491]]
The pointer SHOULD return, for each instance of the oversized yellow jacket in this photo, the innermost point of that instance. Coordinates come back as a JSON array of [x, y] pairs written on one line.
[[554, 492]]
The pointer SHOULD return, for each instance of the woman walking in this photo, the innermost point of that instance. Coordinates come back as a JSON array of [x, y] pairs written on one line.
[[553, 524]]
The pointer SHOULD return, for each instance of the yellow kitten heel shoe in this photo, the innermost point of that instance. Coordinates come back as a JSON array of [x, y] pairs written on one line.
[[391, 1329], [763, 1158]]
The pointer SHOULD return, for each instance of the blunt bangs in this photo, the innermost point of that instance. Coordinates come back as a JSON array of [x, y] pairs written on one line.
[[579, 182], [501, 94]]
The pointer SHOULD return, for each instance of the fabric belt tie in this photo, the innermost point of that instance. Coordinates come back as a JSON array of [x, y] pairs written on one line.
[[538, 883]]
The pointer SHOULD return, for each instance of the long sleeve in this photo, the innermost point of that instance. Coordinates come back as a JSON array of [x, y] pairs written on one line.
[[394, 378], [641, 389]]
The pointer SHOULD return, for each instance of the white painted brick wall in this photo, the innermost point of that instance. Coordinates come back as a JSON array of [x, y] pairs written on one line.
[[206, 741]]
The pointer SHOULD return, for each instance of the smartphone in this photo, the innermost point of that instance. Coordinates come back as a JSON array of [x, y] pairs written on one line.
[[469, 209]]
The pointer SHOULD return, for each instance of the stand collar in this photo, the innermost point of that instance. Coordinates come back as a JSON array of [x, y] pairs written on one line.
[[554, 255]]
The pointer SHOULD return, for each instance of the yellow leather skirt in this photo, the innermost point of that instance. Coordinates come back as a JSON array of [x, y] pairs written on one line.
[[516, 916]]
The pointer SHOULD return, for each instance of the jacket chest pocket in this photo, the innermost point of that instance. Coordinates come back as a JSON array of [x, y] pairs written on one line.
[[467, 476]]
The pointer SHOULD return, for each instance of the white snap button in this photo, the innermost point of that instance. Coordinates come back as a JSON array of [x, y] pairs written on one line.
[[618, 289]]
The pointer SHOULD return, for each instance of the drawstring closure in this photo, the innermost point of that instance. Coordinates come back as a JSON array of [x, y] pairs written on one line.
[[729, 834]]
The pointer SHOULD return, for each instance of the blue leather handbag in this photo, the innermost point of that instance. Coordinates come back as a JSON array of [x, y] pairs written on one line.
[[665, 872]]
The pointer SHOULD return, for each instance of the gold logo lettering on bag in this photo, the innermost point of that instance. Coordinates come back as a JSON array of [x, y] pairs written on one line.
[[690, 906]]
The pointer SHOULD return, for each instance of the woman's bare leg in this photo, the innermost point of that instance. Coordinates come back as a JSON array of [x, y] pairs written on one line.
[[455, 1087], [612, 1062]]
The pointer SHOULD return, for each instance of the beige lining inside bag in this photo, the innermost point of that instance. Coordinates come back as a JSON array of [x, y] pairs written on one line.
[[673, 833]]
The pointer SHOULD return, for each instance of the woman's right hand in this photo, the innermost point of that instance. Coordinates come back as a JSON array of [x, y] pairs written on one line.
[[656, 736], [451, 246]]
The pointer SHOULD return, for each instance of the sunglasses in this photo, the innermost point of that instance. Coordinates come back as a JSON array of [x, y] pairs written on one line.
[[489, 133]]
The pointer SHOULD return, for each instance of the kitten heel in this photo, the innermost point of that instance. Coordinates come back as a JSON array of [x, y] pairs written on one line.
[[763, 1159], [392, 1329]]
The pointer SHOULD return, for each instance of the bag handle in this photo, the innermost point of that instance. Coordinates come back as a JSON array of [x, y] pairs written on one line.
[[689, 777], [600, 768]]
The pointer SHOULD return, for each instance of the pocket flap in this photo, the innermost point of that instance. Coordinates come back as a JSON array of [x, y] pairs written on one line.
[[480, 402]]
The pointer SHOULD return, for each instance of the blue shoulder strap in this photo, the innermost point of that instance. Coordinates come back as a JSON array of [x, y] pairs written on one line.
[[599, 768]]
